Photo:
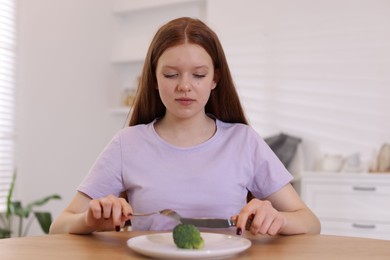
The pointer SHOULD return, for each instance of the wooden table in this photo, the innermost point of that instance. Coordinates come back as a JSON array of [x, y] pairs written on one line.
[[112, 245]]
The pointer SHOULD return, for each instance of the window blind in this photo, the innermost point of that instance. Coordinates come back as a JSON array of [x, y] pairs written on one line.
[[324, 80], [7, 99]]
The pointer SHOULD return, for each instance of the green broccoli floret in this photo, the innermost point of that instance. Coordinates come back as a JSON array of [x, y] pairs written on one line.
[[187, 236]]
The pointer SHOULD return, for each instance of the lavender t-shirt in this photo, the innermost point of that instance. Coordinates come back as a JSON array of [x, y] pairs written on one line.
[[207, 180]]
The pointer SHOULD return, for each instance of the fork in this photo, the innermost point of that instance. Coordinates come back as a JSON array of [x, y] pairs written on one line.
[[165, 212]]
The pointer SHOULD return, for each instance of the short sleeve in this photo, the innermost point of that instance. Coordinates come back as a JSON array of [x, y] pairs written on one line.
[[269, 173], [105, 175]]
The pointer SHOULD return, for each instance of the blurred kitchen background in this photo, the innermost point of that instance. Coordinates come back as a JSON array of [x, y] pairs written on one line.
[[317, 70]]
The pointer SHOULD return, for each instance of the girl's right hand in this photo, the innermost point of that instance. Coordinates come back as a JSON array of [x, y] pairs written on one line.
[[108, 213]]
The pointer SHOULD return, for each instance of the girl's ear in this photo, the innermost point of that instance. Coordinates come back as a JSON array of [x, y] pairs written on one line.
[[214, 85], [216, 78]]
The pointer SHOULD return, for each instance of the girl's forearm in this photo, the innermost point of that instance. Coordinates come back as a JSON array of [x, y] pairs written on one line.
[[302, 221], [70, 223]]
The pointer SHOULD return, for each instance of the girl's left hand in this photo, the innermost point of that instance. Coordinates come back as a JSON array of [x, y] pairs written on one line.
[[264, 218]]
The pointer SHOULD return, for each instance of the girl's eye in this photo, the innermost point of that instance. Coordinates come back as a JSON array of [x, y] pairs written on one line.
[[199, 75], [169, 76]]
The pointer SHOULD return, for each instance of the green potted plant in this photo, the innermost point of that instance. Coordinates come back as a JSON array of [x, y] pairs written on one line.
[[15, 210]]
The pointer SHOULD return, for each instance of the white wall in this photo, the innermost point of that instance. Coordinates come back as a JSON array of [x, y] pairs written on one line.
[[63, 81], [64, 72]]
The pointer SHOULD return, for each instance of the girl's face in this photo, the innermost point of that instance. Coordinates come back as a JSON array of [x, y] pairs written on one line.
[[185, 78]]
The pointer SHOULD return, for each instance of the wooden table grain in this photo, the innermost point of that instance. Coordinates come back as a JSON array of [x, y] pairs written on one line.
[[112, 245]]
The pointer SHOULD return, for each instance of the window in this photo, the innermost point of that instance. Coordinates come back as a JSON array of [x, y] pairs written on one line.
[[7, 99], [323, 80]]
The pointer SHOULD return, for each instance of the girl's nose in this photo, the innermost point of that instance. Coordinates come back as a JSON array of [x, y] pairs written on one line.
[[184, 84]]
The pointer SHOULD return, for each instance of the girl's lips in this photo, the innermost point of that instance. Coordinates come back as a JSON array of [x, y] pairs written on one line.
[[185, 101]]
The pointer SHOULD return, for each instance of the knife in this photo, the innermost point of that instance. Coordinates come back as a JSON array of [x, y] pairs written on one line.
[[209, 222], [214, 222]]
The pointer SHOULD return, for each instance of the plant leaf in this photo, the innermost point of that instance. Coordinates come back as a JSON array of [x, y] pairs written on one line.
[[44, 219], [9, 196], [17, 209], [5, 233], [27, 210]]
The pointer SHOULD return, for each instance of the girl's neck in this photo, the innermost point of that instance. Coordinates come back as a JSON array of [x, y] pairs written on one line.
[[185, 132]]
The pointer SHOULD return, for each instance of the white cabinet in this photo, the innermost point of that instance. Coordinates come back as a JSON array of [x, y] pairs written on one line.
[[349, 204], [134, 24]]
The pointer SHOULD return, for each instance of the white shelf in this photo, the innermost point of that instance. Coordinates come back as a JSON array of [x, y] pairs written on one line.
[[129, 59], [121, 110], [342, 175], [126, 6]]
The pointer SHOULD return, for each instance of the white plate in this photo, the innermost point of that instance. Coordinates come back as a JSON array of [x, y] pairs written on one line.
[[161, 245]]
